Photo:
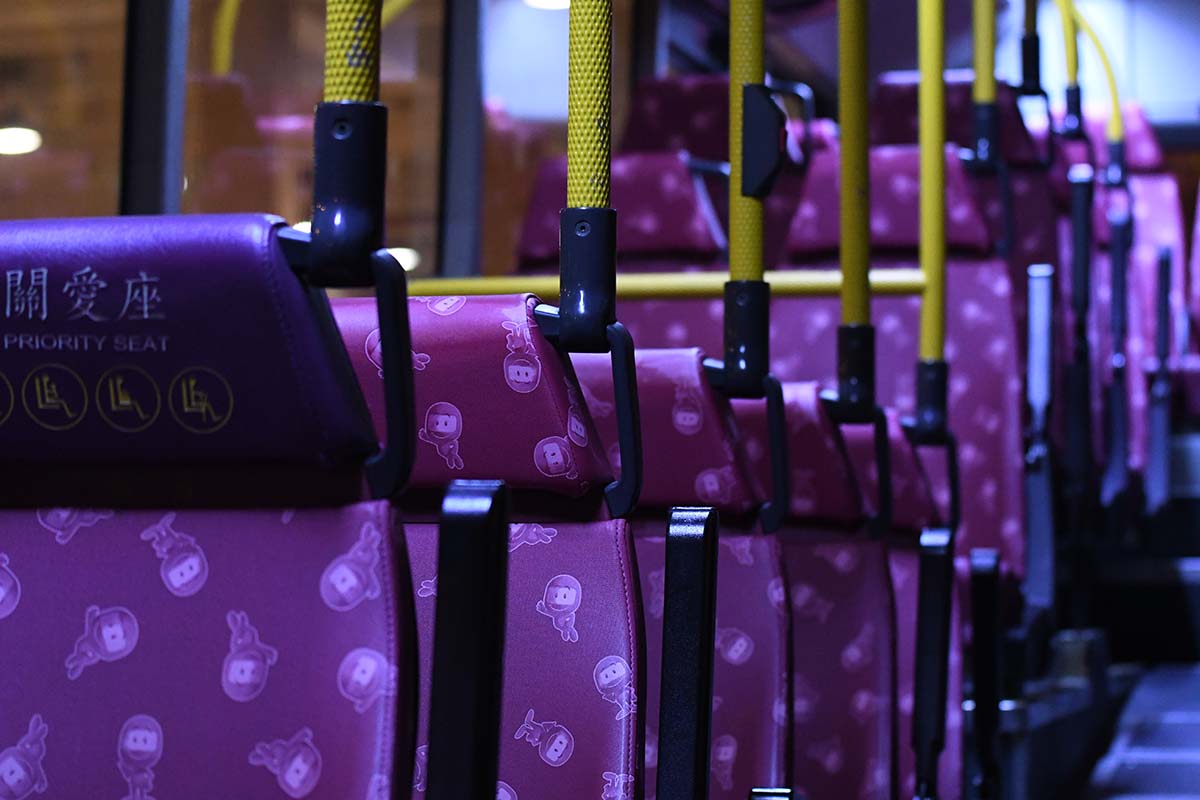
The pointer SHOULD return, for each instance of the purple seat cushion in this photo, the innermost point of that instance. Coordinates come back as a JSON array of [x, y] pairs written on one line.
[[692, 454], [574, 690], [494, 399], [169, 341], [267, 646], [752, 663]]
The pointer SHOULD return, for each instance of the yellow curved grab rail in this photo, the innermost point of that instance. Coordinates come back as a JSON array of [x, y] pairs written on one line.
[[855, 197], [1066, 10], [225, 30], [1115, 131], [790, 283], [932, 112]]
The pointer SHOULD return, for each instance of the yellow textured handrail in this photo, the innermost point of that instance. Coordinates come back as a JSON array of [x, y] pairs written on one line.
[[646, 285], [224, 27], [1116, 122], [589, 104], [745, 213], [855, 167], [352, 50], [984, 24], [1066, 10], [932, 112]]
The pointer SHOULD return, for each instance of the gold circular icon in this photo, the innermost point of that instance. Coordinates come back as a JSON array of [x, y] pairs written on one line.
[[128, 399], [55, 397], [200, 400], [8, 399]]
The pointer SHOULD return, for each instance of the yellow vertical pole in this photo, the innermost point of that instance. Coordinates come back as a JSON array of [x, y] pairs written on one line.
[[1031, 12], [932, 109], [855, 167], [745, 213], [352, 51], [1066, 10], [589, 104], [984, 25]]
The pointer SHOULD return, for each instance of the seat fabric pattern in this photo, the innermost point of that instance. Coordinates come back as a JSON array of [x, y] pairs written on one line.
[[693, 457], [193, 654], [494, 399], [574, 691]]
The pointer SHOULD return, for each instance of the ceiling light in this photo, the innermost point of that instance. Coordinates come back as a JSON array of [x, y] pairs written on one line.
[[17, 141], [549, 5]]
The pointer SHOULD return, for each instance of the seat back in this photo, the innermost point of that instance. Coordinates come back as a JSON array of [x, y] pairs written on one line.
[[188, 573]]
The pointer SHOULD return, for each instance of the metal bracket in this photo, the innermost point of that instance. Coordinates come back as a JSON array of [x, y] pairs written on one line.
[[468, 645]]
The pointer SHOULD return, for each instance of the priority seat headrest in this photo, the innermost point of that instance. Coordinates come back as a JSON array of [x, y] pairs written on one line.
[[147, 342]]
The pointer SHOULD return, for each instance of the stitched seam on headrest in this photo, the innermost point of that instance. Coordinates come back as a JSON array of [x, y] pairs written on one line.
[[388, 535], [621, 540], [288, 336]]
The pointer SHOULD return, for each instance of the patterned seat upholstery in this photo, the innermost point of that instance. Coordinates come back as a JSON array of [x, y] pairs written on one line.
[[494, 399], [194, 601]]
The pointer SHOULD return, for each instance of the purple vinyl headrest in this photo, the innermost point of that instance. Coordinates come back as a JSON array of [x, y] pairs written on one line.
[[494, 398], [691, 450], [172, 341]]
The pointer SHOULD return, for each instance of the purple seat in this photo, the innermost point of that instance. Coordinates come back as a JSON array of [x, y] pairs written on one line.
[[693, 457], [494, 399], [159, 636]]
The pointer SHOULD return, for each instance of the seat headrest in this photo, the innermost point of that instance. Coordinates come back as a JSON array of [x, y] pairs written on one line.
[[494, 399], [823, 486], [177, 341], [895, 120], [895, 204], [913, 506], [660, 212], [1143, 151], [691, 455]]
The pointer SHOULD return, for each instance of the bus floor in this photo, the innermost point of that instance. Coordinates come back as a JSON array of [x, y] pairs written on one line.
[[1156, 750]]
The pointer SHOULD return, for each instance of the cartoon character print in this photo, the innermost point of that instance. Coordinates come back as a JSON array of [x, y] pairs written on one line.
[[843, 559], [421, 768], [742, 549], [139, 749], [64, 523], [352, 577], [724, 756], [828, 754], [365, 676], [505, 792], [21, 772], [248, 664], [286, 517], [617, 786], [10, 588], [559, 602], [108, 635], [866, 705], [861, 649], [184, 567], [522, 366], [651, 748], [529, 533], [554, 459], [295, 762], [428, 587], [715, 485], [554, 742], [777, 593], [809, 603], [374, 349], [734, 646], [687, 414], [443, 306], [614, 682], [576, 415], [442, 429]]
